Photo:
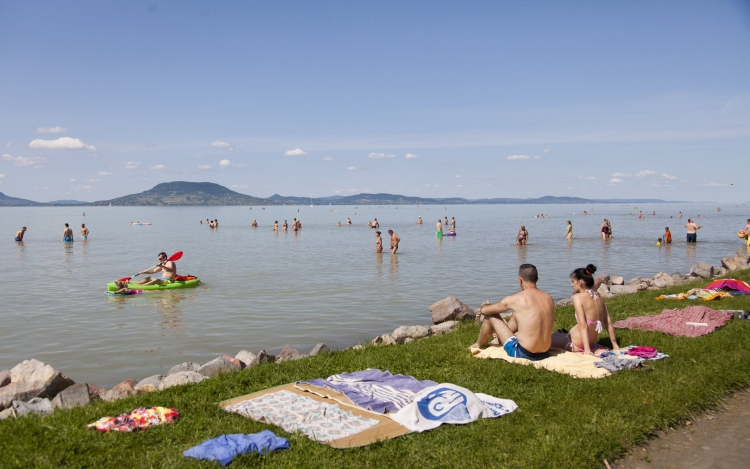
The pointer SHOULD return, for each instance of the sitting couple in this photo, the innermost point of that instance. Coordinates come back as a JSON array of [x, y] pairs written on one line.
[[528, 333]]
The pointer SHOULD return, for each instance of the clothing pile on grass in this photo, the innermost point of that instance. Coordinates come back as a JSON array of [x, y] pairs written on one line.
[[714, 290], [137, 420], [224, 448], [693, 321]]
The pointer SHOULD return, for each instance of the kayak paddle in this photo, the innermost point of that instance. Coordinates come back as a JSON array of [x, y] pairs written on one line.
[[175, 257]]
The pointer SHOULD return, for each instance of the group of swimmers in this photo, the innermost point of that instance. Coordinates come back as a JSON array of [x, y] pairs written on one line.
[[528, 333], [211, 223], [379, 242], [439, 225], [296, 225]]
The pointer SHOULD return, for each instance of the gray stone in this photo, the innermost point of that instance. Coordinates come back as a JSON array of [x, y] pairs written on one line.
[[623, 289], [318, 349], [654, 288], [180, 378], [113, 395], [450, 309], [216, 367], [383, 340], [601, 279], [95, 392], [744, 252], [616, 280], [741, 261], [603, 290], [358, 347], [4, 378], [32, 378], [127, 385], [702, 270], [72, 396], [245, 357], [37, 405], [445, 327], [639, 280], [721, 271], [565, 301], [262, 357], [238, 363], [288, 354], [186, 366], [663, 280], [149, 384], [408, 340], [7, 413], [730, 265], [414, 332]]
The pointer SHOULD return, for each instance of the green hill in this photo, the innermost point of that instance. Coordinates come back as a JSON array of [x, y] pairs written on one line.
[[15, 202], [187, 193]]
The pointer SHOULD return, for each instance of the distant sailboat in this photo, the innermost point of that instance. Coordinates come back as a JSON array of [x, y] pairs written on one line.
[[311, 202]]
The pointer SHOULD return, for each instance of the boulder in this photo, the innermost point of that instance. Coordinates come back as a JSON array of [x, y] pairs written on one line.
[[639, 280], [127, 385], [216, 367], [7, 413], [113, 395], [95, 392], [616, 280], [663, 280], [603, 290], [741, 261], [445, 327], [414, 332], [730, 265], [37, 405], [288, 354], [744, 253], [383, 340], [149, 384], [182, 377], [358, 347], [623, 289], [601, 279], [72, 396], [234, 361], [186, 366], [32, 378], [318, 349], [262, 357], [245, 357], [702, 270], [408, 340], [565, 301], [449, 309], [653, 288], [721, 271], [4, 378]]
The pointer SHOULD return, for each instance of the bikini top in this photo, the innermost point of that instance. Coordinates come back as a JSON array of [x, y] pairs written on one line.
[[595, 295]]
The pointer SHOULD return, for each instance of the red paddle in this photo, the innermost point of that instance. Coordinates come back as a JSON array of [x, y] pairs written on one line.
[[175, 257]]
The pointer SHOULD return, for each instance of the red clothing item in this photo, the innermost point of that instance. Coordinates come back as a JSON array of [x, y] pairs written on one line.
[[675, 322], [668, 237]]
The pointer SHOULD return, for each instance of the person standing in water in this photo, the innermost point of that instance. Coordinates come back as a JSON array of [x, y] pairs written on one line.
[[285, 226], [692, 228], [378, 242], [84, 231], [255, 224], [569, 233], [67, 234], [20, 233], [348, 221], [439, 227], [667, 236], [276, 225], [523, 236], [394, 241], [419, 221], [453, 224]]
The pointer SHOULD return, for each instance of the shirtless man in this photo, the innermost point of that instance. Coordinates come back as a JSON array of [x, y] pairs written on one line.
[[453, 223], [67, 234], [20, 233], [439, 227], [394, 241], [419, 221], [255, 224], [168, 270], [375, 224], [84, 231], [378, 242], [692, 236], [348, 221], [528, 333]]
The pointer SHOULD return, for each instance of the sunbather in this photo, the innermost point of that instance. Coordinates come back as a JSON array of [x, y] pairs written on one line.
[[527, 333], [590, 311]]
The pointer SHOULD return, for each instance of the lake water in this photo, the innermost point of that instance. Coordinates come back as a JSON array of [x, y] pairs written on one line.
[[263, 290]]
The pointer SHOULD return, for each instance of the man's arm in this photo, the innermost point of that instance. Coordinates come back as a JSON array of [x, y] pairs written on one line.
[[501, 306]]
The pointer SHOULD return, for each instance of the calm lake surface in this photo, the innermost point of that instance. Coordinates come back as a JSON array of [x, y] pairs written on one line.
[[263, 290]]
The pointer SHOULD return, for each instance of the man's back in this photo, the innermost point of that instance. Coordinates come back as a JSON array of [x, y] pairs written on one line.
[[534, 312]]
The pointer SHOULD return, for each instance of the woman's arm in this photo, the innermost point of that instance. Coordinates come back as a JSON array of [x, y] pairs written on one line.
[[610, 328]]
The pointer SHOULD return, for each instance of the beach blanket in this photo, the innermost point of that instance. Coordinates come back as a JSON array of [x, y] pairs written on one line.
[[729, 284], [318, 420], [448, 403], [375, 390], [693, 321], [224, 448], [137, 420], [569, 363], [697, 294], [614, 363]]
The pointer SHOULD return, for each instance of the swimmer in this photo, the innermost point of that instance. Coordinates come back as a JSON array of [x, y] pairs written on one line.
[[667, 236], [394, 241], [453, 224], [375, 224], [348, 221], [522, 237], [378, 242], [285, 226], [276, 225], [339, 224], [255, 224], [67, 234], [122, 288], [439, 227], [84, 232], [419, 221], [658, 242], [569, 233], [22, 231]]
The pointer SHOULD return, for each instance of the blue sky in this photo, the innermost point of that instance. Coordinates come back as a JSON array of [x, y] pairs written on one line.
[[433, 99]]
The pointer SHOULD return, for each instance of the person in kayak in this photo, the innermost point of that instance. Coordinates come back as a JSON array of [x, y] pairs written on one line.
[[67, 234], [20, 233], [168, 270]]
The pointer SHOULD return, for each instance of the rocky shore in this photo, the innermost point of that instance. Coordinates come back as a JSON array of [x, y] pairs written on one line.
[[33, 387]]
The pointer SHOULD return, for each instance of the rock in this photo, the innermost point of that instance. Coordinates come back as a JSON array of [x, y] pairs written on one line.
[[128, 384], [4, 378], [702, 270], [623, 289], [238, 363], [113, 395], [383, 340], [445, 327], [408, 340], [744, 253], [358, 347], [37, 405], [565, 301], [603, 290], [288, 353], [245, 357], [654, 288], [318, 349], [663, 280], [414, 332], [449, 309], [183, 377], [95, 392], [216, 367], [616, 280], [639, 280], [263, 357], [741, 261], [32, 378], [721, 271], [601, 279], [186, 366], [149, 384], [72, 396], [7, 413], [730, 265]]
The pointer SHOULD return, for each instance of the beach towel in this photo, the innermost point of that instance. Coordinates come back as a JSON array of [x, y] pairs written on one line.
[[613, 363], [729, 284], [625, 352], [697, 294], [448, 403], [578, 366], [225, 447], [318, 420], [693, 321], [375, 390], [137, 420]]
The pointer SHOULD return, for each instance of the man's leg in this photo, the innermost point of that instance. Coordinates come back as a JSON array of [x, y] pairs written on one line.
[[495, 324]]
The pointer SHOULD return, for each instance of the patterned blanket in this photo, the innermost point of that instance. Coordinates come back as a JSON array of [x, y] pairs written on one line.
[[697, 294], [137, 420], [693, 321]]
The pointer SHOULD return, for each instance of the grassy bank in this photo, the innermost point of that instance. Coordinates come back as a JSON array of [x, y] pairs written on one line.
[[561, 421]]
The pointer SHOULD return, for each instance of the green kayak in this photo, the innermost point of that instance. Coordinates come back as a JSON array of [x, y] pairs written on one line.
[[172, 286]]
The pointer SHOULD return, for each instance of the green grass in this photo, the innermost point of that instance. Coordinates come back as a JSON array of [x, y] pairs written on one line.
[[561, 421]]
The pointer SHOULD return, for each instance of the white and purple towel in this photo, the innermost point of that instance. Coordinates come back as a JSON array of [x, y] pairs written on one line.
[[375, 390]]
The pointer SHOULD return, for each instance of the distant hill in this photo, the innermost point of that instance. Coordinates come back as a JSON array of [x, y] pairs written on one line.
[[187, 193], [14, 201], [66, 202]]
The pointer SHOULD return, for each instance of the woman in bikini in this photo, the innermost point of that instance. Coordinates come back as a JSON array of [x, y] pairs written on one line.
[[604, 229], [378, 242], [592, 316], [569, 233], [522, 237]]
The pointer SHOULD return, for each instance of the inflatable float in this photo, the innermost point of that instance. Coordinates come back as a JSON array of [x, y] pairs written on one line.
[[172, 286], [451, 233], [131, 292]]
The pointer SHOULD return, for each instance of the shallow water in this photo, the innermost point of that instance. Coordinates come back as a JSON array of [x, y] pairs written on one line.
[[322, 284]]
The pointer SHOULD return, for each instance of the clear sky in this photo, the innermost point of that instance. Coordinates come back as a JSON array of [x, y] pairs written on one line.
[[433, 99]]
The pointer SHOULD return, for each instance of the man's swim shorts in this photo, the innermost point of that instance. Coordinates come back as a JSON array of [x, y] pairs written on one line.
[[514, 349], [18, 239], [67, 239]]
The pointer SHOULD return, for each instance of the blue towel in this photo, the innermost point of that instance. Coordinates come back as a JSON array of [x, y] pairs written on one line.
[[226, 447]]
